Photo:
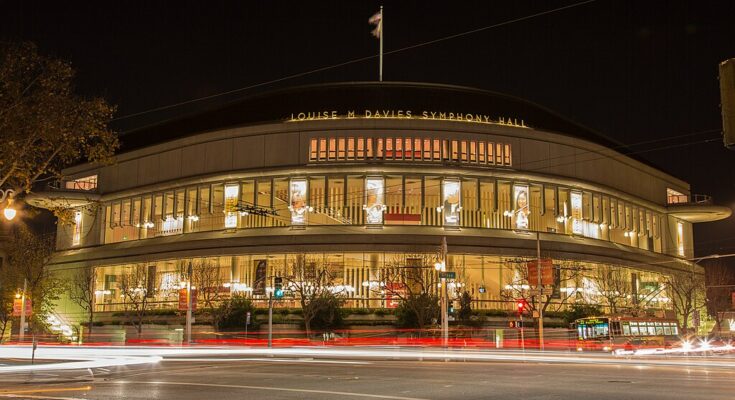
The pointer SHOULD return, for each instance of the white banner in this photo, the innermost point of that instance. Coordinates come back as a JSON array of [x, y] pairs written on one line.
[[452, 202], [297, 201], [374, 203], [577, 223], [521, 208]]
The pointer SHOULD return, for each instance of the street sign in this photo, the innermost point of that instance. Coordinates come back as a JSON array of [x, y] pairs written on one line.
[[247, 318], [447, 274]]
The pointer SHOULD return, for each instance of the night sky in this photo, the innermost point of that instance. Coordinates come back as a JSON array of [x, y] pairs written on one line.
[[637, 71]]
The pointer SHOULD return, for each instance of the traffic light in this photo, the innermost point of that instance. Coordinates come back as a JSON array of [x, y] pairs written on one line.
[[521, 306], [278, 287], [450, 307]]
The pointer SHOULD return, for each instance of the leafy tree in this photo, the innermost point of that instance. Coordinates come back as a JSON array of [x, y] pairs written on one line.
[[581, 310], [44, 125], [313, 282], [418, 310], [232, 313], [329, 311], [28, 254], [412, 279], [518, 287], [465, 306], [613, 285]]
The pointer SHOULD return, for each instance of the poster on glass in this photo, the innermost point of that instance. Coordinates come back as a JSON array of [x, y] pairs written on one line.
[[374, 203], [576, 200], [297, 202], [451, 205], [521, 209]]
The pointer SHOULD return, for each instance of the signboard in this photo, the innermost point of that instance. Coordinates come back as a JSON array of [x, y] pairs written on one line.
[[576, 200], [18, 306], [297, 201], [451, 201], [232, 193], [547, 272], [393, 293], [184, 302], [521, 208], [374, 200], [259, 283], [447, 274]]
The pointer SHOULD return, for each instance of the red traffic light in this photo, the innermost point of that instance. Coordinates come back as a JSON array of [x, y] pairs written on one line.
[[521, 305]]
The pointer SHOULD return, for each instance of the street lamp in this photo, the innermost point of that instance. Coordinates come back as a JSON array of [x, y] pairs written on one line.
[[9, 212]]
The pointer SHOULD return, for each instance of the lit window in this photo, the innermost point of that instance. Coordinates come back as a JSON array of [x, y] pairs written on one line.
[[313, 150], [232, 196], [351, 148], [341, 147], [491, 153], [473, 151], [508, 160], [427, 149], [389, 148], [481, 152], [369, 148], [379, 151], [332, 148], [675, 197], [498, 153], [86, 183], [360, 148], [77, 236], [436, 150], [455, 150], [399, 149], [463, 147], [322, 149], [409, 150]]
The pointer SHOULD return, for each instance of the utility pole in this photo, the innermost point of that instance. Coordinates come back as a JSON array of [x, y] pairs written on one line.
[[270, 319], [540, 307], [22, 334], [444, 293], [190, 272]]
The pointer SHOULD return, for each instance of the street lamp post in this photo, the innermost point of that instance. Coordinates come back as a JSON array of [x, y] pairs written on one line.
[[9, 212], [441, 266]]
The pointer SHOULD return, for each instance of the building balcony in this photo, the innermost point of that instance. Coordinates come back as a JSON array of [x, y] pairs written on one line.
[[696, 208]]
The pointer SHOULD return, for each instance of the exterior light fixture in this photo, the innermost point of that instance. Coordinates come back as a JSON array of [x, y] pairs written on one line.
[[9, 213]]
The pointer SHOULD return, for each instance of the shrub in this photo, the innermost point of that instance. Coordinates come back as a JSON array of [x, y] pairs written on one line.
[[232, 313], [417, 311]]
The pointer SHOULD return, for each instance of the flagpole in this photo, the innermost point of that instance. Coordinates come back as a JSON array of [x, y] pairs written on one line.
[[380, 75]]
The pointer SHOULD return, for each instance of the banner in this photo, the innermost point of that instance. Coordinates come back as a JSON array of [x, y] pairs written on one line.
[[452, 201], [260, 272], [547, 272], [183, 301], [297, 201], [232, 194], [577, 225], [374, 200], [521, 208], [18, 306]]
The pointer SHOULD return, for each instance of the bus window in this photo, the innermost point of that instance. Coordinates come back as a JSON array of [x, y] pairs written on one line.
[[615, 328], [667, 329], [626, 329], [651, 329], [659, 329], [674, 330], [634, 328]]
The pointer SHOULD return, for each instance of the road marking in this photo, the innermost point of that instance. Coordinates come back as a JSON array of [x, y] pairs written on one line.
[[286, 360], [67, 389], [374, 396], [28, 396]]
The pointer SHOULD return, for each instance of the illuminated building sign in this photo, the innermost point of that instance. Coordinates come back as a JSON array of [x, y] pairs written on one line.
[[232, 192], [297, 201], [577, 225], [451, 202], [374, 200], [406, 114], [521, 208]]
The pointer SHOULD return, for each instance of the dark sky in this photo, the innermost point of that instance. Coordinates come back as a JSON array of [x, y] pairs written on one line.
[[638, 71]]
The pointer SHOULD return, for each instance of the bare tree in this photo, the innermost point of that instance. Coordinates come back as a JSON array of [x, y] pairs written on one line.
[[137, 287], [81, 292], [720, 283], [207, 278], [412, 279], [518, 286], [687, 294], [613, 286], [313, 281]]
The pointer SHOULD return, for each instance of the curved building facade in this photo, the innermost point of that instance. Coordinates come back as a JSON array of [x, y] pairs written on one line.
[[369, 177]]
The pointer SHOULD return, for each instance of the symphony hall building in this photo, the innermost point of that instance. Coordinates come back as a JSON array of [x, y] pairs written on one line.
[[368, 177]]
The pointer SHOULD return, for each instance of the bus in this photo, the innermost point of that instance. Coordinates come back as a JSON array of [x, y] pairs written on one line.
[[610, 333]]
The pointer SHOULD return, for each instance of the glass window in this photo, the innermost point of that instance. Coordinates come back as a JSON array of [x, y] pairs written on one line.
[[399, 149], [360, 148], [455, 150], [507, 156], [341, 148], [626, 329], [351, 148], [355, 199], [179, 207], [322, 149], [490, 153], [332, 148], [313, 149], [393, 198], [379, 150], [445, 150], [413, 200], [470, 216], [499, 154], [336, 199], [473, 151], [436, 149], [389, 154], [432, 200], [264, 193], [481, 152], [427, 149], [408, 147], [125, 216], [487, 204], [463, 147], [158, 207], [316, 195], [136, 212]]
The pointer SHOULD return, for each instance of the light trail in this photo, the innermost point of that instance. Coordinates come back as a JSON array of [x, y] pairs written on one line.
[[79, 357]]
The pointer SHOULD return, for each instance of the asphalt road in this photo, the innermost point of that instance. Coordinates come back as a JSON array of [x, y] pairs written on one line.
[[224, 378]]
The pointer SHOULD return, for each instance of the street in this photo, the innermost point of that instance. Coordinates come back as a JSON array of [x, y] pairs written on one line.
[[261, 377]]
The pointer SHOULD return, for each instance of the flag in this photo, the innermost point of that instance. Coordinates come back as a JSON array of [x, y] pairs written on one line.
[[377, 20]]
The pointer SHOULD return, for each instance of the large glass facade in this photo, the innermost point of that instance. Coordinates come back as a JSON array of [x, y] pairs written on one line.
[[365, 280], [340, 199]]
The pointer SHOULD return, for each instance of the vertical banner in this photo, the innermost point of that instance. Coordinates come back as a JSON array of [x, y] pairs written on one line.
[[18, 307], [451, 201], [184, 301], [77, 236], [297, 201], [521, 209], [232, 193], [259, 283], [374, 200], [576, 200]]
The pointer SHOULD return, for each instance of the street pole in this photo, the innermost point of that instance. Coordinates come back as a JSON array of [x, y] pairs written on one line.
[[444, 295], [540, 307], [22, 334], [523, 339], [270, 320], [190, 272], [380, 73]]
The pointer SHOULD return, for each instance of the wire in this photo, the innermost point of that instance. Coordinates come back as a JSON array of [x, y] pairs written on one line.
[[353, 61]]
